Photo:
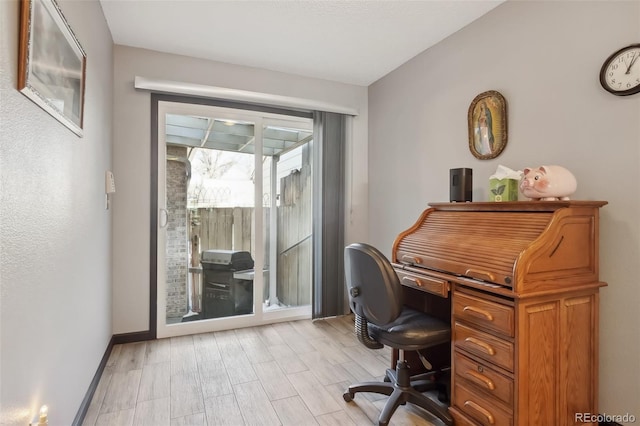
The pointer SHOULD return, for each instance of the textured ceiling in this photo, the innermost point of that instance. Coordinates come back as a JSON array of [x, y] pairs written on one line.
[[355, 42]]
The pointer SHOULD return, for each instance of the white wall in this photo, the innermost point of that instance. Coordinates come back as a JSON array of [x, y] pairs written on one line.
[[545, 58], [55, 234], [132, 157]]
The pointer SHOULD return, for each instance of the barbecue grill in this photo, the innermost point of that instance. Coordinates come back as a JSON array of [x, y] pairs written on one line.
[[223, 295]]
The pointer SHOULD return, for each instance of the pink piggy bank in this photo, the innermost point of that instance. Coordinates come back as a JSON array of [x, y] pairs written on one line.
[[548, 183]]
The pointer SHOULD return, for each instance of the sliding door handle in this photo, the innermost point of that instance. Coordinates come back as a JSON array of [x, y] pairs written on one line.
[[163, 217]]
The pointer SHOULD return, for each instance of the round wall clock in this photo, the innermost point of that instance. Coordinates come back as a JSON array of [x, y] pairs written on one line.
[[620, 73]]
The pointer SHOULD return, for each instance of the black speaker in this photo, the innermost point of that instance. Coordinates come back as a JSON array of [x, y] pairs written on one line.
[[460, 184]]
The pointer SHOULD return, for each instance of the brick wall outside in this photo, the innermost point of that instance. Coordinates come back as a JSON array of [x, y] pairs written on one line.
[[177, 235]]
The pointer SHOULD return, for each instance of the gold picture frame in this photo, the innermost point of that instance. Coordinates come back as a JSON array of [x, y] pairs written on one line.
[[52, 64], [487, 118]]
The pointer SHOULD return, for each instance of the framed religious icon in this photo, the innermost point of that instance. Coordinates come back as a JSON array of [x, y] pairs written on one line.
[[52, 64], [487, 119]]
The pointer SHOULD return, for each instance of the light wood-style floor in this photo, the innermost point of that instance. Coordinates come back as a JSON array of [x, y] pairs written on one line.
[[291, 373]]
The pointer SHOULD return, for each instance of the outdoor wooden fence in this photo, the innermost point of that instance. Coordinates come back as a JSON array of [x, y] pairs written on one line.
[[232, 229]]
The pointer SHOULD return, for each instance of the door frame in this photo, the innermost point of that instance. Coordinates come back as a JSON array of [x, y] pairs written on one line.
[[157, 314]]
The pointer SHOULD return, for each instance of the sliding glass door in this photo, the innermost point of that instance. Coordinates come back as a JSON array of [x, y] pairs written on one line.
[[234, 225]]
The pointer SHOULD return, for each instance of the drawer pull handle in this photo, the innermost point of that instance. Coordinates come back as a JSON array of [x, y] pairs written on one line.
[[480, 410], [474, 273], [485, 346], [482, 379], [478, 312], [413, 281], [411, 259]]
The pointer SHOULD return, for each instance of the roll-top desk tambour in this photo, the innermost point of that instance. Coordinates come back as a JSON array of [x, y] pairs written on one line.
[[523, 281]]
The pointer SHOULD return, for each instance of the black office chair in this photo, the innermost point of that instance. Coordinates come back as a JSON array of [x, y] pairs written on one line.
[[375, 296]]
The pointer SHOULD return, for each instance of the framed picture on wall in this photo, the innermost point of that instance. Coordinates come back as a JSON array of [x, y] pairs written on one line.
[[487, 118], [52, 64]]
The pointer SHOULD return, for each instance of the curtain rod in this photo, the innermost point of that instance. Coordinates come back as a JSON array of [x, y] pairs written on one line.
[[167, 86]]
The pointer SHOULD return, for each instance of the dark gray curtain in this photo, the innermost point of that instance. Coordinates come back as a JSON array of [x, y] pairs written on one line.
[[328, 214]]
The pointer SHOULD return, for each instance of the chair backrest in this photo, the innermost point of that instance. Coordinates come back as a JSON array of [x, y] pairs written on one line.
[[375, 292]]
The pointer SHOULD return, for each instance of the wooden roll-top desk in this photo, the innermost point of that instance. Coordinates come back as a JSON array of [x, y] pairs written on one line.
[[523, 283]]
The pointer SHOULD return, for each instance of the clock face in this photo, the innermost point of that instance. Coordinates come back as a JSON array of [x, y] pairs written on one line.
[[620, 73]]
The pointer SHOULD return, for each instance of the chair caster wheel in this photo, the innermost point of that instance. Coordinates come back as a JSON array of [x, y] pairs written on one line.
[[347, 396]]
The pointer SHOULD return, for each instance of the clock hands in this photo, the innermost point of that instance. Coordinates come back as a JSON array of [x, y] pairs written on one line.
[[633, 61]]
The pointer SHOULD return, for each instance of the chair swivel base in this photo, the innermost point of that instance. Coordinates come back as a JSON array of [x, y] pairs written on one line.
[[401, 390]]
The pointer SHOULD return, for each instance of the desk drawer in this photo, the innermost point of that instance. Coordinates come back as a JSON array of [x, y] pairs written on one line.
[[424, 283], [496, 351], [480, 408], [479, 376], [484, 313]]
